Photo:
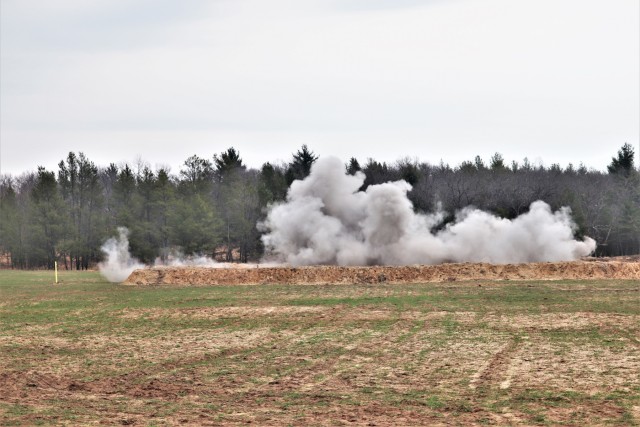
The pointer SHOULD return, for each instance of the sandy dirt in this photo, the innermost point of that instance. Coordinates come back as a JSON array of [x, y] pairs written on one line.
[[588, 269]]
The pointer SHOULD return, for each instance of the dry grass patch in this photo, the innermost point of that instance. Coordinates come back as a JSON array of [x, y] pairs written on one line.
[[426, 354]]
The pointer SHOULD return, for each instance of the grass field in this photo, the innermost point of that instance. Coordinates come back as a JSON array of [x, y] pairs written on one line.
[[535, 353]]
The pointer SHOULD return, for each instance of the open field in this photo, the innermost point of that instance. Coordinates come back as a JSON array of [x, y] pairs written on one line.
[[456, 353]]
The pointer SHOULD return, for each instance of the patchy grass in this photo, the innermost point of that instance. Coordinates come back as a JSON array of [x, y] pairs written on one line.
[[537, 353]]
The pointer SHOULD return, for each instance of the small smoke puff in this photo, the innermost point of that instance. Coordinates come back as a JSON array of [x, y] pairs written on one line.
[[118, 263], [326, 220]]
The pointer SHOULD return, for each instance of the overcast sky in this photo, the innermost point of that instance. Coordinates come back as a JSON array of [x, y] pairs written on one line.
[[553, 80]]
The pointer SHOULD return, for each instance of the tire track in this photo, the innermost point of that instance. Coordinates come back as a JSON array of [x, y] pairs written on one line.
[[498, 370]]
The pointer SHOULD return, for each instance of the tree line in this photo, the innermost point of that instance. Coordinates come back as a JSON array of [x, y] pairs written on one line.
[[212, 206]]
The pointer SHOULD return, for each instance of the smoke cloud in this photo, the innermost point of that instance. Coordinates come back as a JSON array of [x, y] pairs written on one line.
[[119, 263], [178, 259], [326, 220]]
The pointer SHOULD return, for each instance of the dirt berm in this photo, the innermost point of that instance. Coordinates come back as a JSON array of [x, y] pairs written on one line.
[[577, 270]]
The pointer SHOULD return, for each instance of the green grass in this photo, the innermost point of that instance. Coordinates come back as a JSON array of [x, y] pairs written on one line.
[[86, 350]]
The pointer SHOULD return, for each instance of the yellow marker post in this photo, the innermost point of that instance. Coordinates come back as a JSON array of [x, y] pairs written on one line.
[[55, 266]]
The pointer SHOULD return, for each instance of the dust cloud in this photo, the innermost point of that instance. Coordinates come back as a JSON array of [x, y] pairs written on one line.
[[118, 263], [327, 220], [178, 259]]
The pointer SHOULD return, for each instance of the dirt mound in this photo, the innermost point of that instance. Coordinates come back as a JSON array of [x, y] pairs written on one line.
[[578, 270]]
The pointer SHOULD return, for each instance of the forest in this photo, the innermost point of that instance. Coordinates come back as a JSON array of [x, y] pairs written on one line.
[[213, 206]]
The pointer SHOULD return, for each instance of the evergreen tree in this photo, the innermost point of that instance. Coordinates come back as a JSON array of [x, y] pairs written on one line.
[[47, 218], [467, 167], [623, 163], [353, 166], [408, 171], [273, 184], [227, 162], [124, 193], [479, 163], [81, 190], [195, 225], [214, 205], [497, 162], [242, 211], [376, 173], [300, 167], [108, 179], [9, 220], [145, 227], [228, 194], [164, 204]]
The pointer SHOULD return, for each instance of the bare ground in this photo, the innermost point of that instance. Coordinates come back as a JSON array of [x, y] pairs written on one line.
[[587, 269], [503, 353]]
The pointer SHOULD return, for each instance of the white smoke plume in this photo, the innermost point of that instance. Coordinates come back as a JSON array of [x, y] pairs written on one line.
[[119, 263], [178, 259], [326, 220]]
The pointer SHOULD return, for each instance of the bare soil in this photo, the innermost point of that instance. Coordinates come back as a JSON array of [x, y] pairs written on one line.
[[448, 353], [587, 269]]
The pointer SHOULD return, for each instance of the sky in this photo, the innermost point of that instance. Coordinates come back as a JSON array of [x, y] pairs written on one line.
[[556, 81]]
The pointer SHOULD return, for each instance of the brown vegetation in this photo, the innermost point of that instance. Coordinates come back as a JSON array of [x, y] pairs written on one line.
[[588, 269]]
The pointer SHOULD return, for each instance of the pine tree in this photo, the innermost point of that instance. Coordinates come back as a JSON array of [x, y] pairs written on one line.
[[497, 162], [300, 167], [273, 184], [623, 163], [353, 166], [227, 162], [47, 218], [9, 221]]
